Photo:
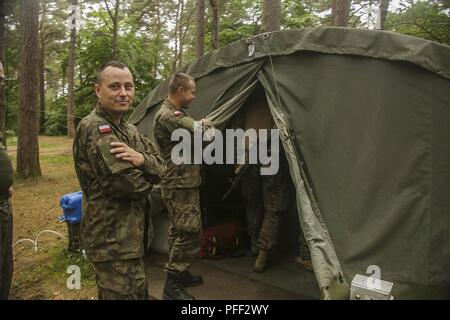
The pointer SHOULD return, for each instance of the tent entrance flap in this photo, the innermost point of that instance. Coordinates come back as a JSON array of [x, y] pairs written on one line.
[[222, 114], [325, 261], [249, 109], [326, 264]]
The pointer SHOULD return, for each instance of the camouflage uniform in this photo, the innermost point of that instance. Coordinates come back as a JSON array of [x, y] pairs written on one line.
[[6, 223], [114, 202], [180, 191], [267, 197], [122, 280]]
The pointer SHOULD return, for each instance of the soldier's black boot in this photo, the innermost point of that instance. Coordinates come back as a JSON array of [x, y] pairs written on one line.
[[174, 289], [189, 280]]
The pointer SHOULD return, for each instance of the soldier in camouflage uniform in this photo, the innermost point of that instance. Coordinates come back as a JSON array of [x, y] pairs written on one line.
[[116, 167], [267, 198], [6, 217], [180, 189]]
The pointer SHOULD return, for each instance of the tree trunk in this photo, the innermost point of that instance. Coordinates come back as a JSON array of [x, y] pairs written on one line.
[[71, 75], [181, 35], [384, 6], [333, 13], [157, 39], [342, 13], [41, 122], [177, 23], [215, 24], [115, 53], [28, 146], [115, 22], [181, 28], [200, 26], [2, 59], [270, 16]]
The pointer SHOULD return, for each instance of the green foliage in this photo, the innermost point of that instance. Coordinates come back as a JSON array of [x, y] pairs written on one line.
[[55, 118], [11, 65], [425, 19], [146, 41], [239, 20], [11, 139], [295, 14], [12, 98], [229, 35], [94, 43]]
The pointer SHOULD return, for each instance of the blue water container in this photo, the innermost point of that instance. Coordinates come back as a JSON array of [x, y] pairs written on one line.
[[72, 206]]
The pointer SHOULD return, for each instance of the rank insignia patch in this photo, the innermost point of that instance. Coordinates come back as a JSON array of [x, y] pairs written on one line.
[[105, 128]]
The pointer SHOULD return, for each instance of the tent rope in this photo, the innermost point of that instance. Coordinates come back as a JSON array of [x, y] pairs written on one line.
[[265, 36]]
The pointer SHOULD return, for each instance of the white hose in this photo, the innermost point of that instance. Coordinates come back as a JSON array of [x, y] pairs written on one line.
[[35, 242]]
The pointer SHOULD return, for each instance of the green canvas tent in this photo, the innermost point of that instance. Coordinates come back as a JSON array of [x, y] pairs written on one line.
[[364, 119]]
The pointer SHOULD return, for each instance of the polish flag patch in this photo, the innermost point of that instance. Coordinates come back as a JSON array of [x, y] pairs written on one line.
[[178, 113], [105, 128]]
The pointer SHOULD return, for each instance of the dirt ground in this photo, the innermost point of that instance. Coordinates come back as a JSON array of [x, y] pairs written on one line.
[[42, 274]]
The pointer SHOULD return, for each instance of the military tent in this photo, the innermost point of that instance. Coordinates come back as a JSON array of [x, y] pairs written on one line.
[[364, 119]]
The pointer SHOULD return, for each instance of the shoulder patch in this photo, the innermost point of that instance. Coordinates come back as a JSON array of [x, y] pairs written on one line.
[[104, 128], [178, 113]]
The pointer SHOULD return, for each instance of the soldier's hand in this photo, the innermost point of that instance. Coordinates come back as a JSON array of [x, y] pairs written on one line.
[[206, 123], [124, 152], [11, 192]]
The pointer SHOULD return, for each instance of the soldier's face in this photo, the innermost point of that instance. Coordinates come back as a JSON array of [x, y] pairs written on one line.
[[116, 90], [187, 94]]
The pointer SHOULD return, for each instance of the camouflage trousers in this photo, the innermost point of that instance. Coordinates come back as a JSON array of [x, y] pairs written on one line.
[[267, 197], [121, 280], [6, 254], [185, 227]]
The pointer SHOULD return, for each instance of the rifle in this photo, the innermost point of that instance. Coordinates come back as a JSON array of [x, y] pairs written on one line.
[[235, 180]]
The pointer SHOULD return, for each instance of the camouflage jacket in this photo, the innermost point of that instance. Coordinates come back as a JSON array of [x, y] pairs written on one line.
[[114, 192], [6, 171], [167, 119]]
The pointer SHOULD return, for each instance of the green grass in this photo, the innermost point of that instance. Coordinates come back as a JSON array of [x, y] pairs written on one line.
[[55, 270], [48, 145], [56, 159], [61, 259], [11, 141]]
